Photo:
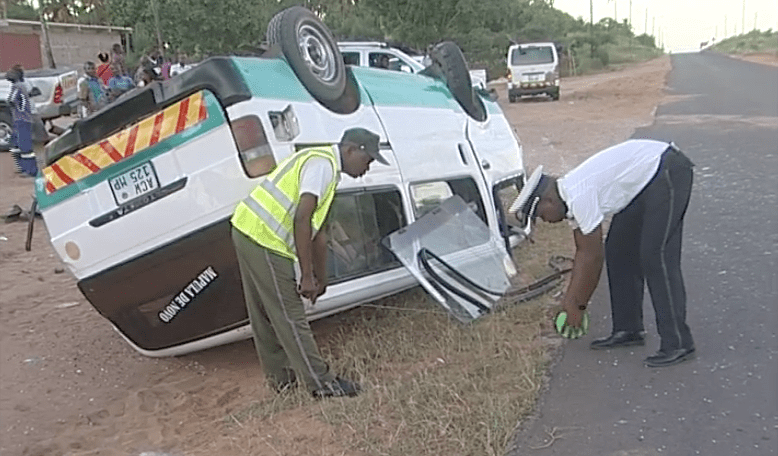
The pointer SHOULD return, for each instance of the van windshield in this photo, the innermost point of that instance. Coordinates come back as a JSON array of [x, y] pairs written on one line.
[[531, 55]]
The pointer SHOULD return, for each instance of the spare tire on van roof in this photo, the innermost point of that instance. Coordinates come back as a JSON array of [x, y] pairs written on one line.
[[448, 61], [311, 52]]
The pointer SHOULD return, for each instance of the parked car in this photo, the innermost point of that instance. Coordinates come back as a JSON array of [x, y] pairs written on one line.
[[378, 55], [58, 97], [137, 198], [533, 69]]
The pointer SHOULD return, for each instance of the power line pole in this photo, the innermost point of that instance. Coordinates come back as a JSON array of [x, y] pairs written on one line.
[[653, 25], [46, 41], [725, 26], [755, 15], [645, 26], [743, 27], [591, 26]]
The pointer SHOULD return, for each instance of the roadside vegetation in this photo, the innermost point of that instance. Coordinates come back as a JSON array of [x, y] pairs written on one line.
[[752, 42], [433, 386], [484, 30]]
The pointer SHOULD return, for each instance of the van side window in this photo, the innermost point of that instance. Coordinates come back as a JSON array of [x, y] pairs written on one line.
[[428, 195], [356, 224], [350, 58]]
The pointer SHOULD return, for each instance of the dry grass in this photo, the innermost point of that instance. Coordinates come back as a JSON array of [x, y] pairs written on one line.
[[433, 385]]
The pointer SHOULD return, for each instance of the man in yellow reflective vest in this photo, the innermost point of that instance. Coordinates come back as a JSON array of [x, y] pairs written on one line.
[[282, 254]]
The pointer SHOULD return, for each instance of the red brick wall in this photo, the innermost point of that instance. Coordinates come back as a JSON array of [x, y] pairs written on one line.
[[20, 48]]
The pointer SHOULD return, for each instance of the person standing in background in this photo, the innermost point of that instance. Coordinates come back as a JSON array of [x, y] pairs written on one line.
[[91, 94], [118, 58], [119, 84], [21, 113], [104, 69]]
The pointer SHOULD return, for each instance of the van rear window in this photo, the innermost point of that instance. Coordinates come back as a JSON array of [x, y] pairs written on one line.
[[531, 55]]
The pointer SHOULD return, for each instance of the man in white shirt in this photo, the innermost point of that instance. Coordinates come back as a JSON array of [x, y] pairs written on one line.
[[647, 185]]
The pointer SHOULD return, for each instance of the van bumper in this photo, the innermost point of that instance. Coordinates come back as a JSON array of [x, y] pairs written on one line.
[[552, 91], [180, 293]]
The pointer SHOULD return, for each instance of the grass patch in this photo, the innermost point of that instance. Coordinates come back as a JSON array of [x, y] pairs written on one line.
[[751, 42], [433, 385], [611, 56]]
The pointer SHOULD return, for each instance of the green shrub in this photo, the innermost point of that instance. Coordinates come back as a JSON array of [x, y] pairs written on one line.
[[602, 56]]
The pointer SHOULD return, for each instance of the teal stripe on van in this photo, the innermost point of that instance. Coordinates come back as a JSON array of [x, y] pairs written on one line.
[[271, 78], [215, 119], [395, 88]]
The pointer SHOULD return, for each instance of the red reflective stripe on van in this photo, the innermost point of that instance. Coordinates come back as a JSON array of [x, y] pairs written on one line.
[[111, 151], [130, 149], [86, 162], [203, 110], [134, 139], [61, 174], [182, 113], [157, 128]]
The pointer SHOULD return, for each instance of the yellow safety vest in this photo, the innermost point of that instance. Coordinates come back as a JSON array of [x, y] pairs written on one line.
[[267, 215]]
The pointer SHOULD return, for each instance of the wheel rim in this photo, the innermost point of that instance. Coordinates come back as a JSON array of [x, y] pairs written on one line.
[[318, 55], [5, 134]]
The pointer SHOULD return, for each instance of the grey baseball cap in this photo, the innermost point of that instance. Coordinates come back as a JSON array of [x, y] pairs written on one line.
[[366, 140]]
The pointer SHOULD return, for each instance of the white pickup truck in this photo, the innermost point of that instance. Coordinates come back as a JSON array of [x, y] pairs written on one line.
[[58, 97]]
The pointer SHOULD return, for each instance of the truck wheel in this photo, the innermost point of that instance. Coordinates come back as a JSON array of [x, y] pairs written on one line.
[[451, 62], [311, 52], [6, 128]]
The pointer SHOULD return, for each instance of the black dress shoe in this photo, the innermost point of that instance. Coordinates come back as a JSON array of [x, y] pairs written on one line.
[[619, 339], [668, 358]]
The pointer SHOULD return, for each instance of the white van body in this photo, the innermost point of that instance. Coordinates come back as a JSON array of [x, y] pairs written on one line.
[[155, 257], [533, 69]]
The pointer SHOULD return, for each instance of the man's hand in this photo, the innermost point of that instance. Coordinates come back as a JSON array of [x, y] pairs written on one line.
[[321, 289], [572, 324], [308, 288]]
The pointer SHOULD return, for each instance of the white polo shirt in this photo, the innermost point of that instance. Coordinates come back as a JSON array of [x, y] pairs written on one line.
[[608, 181], [317, 173]]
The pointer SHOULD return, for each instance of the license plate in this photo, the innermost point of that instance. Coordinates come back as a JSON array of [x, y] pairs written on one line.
[[134, 183], [535, 77]]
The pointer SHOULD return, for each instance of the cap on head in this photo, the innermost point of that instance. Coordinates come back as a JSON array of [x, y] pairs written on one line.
[[366, 141], [13, 75], [525, 205]]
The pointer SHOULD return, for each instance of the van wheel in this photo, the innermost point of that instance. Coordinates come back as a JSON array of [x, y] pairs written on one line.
[[449, 59], [6, 128], [310, 50]]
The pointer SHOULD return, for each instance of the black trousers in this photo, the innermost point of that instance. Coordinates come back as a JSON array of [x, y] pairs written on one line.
[[644, 246]]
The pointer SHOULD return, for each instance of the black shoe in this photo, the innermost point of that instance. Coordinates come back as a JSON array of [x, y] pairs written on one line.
[[340, 387], [619, 339], [668, 358]]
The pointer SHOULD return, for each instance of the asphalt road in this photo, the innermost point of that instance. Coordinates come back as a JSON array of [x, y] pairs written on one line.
[[606, 403]]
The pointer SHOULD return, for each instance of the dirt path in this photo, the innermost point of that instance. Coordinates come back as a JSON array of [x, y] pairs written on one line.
[[70, 385]]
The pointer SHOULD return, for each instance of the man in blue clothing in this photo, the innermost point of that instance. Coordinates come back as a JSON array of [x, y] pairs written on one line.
[[21, 113], [119, 84]]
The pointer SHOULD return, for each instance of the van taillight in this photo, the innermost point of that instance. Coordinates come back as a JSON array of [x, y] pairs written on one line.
[[255, 153], [58, 94], [509, 76]]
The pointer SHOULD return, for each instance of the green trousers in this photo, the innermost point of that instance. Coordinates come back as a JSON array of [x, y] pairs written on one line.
[[282, 334]]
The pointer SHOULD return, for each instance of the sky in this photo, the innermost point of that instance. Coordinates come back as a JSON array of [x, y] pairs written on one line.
[[681, 25]]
